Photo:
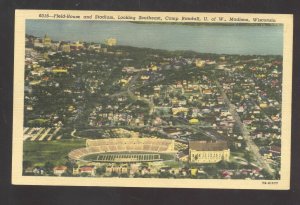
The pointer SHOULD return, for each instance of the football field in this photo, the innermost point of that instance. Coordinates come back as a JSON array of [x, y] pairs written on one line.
[[128, 157]]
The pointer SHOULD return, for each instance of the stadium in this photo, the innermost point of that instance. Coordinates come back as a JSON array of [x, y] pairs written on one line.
[[125, 150]]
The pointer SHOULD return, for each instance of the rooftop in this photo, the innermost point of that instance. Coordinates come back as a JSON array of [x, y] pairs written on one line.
[[208, 146]]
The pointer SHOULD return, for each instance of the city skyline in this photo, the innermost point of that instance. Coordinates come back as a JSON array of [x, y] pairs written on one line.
[[265, 40]]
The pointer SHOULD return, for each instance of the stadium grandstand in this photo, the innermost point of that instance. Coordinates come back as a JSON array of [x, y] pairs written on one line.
[[123, 149]]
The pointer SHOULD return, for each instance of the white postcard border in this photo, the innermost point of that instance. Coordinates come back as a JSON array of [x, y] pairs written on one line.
[[18, 105]]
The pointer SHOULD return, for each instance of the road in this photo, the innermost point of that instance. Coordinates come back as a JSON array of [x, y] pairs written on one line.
[[128, 90], [128, 87], [252, 146], [73, 134]]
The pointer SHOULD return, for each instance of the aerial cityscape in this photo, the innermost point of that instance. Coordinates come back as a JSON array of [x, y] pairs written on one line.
[[104, 109]]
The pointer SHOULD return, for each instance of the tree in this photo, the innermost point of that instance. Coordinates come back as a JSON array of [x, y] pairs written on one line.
[[84, 174], [49, 167], [266, 174], [69, 164], [114, 174], [67, 173], [124, 175], [223, 164], [27, 164], [248, 157], [211, 170], [165, 175], [100, 170]]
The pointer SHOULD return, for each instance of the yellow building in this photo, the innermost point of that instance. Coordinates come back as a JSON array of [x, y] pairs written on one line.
[[194, 172], [263, 105], [71, 108], [153, 68], [123, 81], [222, 58], [177, 110], [122, 169], [208, 152], [193, 121], [207, 92], [111, 41], [59, 70], [199, 63], [145, 77], [76, 45], [46, 56], [35, 82], [47, 41], [184, 158], [66, 48]]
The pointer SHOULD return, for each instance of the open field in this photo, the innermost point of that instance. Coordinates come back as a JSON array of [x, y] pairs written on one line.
[[39, 152]]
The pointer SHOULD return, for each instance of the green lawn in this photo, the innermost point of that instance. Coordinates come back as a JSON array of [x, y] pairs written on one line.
[[172, 164], [53, 151], [237, 154]]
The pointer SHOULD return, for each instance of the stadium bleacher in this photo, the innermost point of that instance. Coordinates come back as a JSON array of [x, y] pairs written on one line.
[[116, 145]]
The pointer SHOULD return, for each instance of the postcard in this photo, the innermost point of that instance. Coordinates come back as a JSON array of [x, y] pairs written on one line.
[[152, 99]]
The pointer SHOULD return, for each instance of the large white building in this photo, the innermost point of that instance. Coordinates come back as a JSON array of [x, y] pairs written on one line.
[[208, 152]]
